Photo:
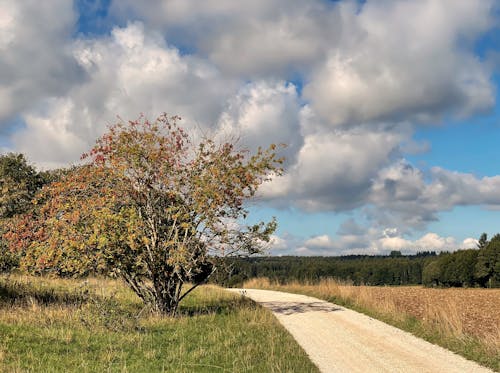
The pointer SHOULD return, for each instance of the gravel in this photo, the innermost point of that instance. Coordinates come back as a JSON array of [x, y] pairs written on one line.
[[341, 340]]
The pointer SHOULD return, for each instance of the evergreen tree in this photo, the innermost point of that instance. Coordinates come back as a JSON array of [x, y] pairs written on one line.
[[483, 241], [487, 269]]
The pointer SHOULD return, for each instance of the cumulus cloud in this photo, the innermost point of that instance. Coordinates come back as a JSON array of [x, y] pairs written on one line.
[[130, 72], [50, 139], [361, 240], [403, 60], [35, 61], [334, 170], [262, 113], [428, 242], [373, 242], [134, 71], [254, 38], [277, 243], [405, 196]]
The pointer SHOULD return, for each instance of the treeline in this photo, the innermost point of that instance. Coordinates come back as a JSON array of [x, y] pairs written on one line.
[[464, 268], [358, 269], [474, 267]]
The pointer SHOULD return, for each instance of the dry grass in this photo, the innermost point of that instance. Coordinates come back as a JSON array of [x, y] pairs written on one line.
[[99, 325], [457, 315]]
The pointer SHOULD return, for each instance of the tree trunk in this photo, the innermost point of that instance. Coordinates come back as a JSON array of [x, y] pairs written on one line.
[[167, 295]]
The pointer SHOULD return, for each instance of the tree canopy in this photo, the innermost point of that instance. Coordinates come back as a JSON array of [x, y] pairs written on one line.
[[487, 268], [19, 182], [151, 206]]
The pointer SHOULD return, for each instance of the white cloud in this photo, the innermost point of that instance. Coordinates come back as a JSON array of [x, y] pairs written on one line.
[[55, 129], [373, 242], [248, 38], [263, 113], [320, 241], [129, 73], [334, 170], [428, 242], [470, 243], [403, 196], [277, 243], [34, 59], [404, 60]]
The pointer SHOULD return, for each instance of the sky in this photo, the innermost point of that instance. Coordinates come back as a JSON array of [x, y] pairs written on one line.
[[389, 109]]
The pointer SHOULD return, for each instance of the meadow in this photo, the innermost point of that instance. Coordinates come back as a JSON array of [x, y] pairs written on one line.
[[98, 325], [466, 321]]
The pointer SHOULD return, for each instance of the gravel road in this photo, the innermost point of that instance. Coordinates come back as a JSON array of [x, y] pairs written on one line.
[[341, 340]]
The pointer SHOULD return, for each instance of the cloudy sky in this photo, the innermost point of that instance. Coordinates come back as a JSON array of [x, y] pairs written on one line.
[[389, 108]]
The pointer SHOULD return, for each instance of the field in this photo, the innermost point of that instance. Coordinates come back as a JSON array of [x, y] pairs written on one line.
[[466, 321], [98, 325]]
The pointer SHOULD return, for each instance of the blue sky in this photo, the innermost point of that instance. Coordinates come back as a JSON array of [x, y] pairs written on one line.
[[390, 108]]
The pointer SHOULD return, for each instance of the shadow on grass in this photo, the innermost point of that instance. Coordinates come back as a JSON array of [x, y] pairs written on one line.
[[15, 292], [289, 308], [220, 307], [106, 310]]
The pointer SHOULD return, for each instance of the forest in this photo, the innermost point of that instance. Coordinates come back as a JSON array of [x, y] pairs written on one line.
[[479, 267]]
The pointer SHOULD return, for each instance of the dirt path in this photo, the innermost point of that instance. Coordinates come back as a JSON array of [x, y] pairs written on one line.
[[341, 340]]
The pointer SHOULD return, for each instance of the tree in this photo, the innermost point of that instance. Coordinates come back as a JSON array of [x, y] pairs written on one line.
[[431, 273], [487, 269], [483, 241], [152, 207], [457, 268], [18, 184]]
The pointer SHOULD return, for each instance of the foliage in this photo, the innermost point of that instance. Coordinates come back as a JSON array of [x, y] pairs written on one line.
[[358, 269], [151, 207], [480, 267], [487, 269], [483, 241], [457, 269], [431, 274], [19, 183]]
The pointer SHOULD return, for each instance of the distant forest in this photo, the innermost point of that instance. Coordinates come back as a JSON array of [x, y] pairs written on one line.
[[464, 268]]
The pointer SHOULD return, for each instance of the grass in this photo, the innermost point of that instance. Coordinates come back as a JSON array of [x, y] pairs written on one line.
[[98, 325], [465, 321]]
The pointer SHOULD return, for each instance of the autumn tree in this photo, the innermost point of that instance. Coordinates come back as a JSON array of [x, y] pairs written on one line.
[[19, 182], [151, 206]]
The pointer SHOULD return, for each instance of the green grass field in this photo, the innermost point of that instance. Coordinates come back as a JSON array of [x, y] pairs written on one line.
[[98, 325]]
